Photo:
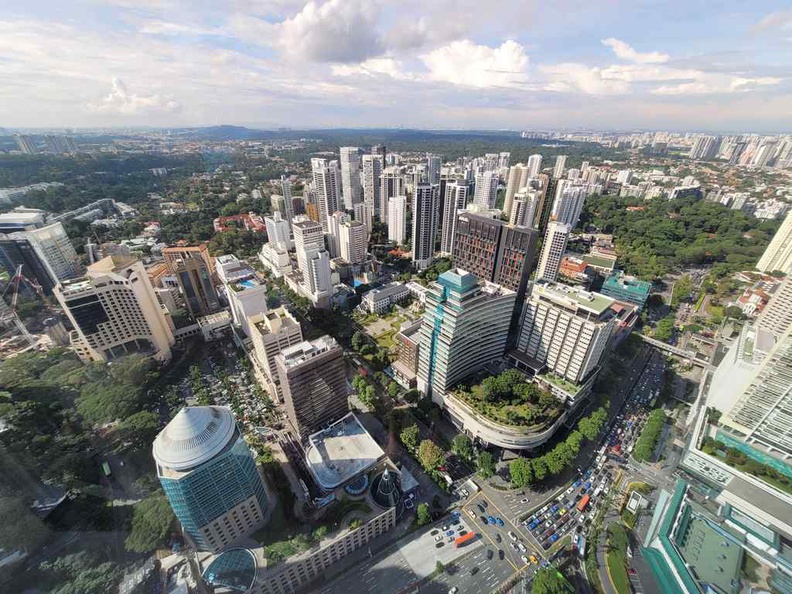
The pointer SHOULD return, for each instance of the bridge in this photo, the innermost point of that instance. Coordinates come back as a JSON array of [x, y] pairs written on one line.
[[669, 348]]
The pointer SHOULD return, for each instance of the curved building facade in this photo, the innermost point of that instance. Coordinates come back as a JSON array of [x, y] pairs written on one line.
[[210, 477]]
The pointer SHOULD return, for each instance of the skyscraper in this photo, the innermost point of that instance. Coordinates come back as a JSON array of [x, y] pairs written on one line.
[[778, 255], [524, 207], [370, 178], [327, 188], [16, 250], [425, 211], [566, 329], [568, 203], [555, 242], [392, 185], [350, 175], [313, 380], [518, 178], [288, 205], [192, 268], [776, 317], [308, 238], [209, 477], [466, 323], [271, 333], [486, 192], [354, 240], [334, 232], [115, 312], [397, 219], [560, 164], [278, 230], [455, 199], [534, 165], [26, 144], [56, 250], [364, 212], [433, 164]]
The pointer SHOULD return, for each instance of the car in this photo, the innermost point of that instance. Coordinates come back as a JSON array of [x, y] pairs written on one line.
[[554, 538], [462, 532], [484, 503], [498, 538], [576, 484], [499, 521], [514, 546], [450, 533], [438, 538], [484, 520], [445, 528], [546, 546], [455, 514], [474, 570], [453, 590], [490, 554], [534, 560], [512, 535], [501, 554], [568, 491], [433, 532], [439, 545], [450, 539], [491, 520], [521, 546], [480, 508], [524, 500], [465, 492], [471, 513], [562, 511], [524, 559]]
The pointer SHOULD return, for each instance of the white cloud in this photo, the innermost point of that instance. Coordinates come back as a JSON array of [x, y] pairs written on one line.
[[781, 20], [336, 31], [121, 101], [572, 77], [373, 67], [467, 64], [168, 28], [626, 52], [710, 84]]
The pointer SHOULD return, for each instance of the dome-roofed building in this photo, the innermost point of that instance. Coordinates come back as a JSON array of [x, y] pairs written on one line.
[[386, 490], [233, 570], [209, 476]]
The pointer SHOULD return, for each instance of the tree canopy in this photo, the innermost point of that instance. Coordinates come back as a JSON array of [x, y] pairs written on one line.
[[152, 519], [430, 455], [549, 580]]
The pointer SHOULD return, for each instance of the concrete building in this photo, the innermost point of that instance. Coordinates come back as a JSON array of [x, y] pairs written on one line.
[[560, 164], [778, 255], [22, 220], [288, 205], [379, 301], [278, 230], [425, 212], [392, 185], [246, 295], [350, 175], [517, 180], [275, 258], [115, 312], [16, 249], [397, 219], [308, 238], [465, 328], [313, 379], [271, 333], [534, 165], [194, 268], [553, 249], [56, 250], [568, 203], [566, 331], [405, 366], [370, 179], [334, 223], [327, 189], [524, 207], [486, 191], [776, 317], [626, 288], [494, 251], [433, 165], [455, 199], [354, 242], [364, 212], [209, 477]]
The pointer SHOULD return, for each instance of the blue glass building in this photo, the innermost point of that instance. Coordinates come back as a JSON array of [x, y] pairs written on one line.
[[210, 477]]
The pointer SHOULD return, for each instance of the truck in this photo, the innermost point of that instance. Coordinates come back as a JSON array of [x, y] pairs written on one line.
[[581, 506], [465, 538]]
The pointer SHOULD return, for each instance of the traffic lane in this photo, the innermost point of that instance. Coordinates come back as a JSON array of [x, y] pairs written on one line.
[[473, 573], [498, 537]]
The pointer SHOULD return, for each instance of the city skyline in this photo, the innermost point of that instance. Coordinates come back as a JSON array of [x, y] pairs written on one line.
[[597, 66]]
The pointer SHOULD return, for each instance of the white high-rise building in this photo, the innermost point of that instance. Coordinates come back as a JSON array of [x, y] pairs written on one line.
[[518, 178], [397, 219], [776, 317], [456, 196], [567, 329], [568, 203], [56, 250], [486, 192], [778, 255], [371, 166], [364, 212], [354, 241], [392, 185], [115, 312], [555, 242], [433, 164], [308, 238], [288, 207], [327, 188], [319, 279], [425, 211], [560, 164], [271, 333], [246, 295], [624, 177], [503, 160], [334, 222], [278, 230], [534, 165], [350, 175], [524, 207]]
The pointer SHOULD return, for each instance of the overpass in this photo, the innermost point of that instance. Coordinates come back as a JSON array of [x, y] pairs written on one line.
[[669, 348]]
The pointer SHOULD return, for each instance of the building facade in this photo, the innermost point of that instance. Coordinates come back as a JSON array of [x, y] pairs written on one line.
[[193, 268], [370, 178], [486, 191], [209, 477], [455, 198], [778, 255], [381, 300], [354, 242], [350, 175], [391, 185], [327, 188], [271, 333], [425, 212], [553, 249], [397, 219], [626, 288]]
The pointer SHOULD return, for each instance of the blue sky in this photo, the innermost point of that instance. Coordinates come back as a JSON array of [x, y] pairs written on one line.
[[598, 64]]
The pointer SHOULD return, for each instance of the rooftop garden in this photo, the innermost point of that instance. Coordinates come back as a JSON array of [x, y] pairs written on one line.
[[559, 381], [510, 399]]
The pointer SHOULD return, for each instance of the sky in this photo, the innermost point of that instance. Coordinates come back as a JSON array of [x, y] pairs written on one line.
[[464, 64]]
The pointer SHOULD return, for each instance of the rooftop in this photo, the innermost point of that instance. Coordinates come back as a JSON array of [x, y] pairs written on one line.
[[385, 292], [234, 569], [573, 297], [342, 451], [194, 436], [618, 280], [307, 349]]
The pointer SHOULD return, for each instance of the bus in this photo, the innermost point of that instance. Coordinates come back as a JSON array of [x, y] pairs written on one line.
[[465, 538], [581, 506], [106, 469]]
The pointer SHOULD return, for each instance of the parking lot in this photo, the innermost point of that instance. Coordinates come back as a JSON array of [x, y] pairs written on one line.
[[474, 574]]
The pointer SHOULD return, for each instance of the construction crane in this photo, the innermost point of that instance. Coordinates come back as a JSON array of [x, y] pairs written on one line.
[[11, 314]]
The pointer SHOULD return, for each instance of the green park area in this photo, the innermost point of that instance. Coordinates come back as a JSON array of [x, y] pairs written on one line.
[[616, 557]]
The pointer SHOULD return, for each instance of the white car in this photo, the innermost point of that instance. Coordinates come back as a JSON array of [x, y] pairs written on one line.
[[438, 538], [524, 559], [453, 590], [521, 546], [512, 535]]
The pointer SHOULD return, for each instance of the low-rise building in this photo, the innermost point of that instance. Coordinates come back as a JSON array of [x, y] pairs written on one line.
[[276, 259], [381, 300], [405, 368], [626, 288]]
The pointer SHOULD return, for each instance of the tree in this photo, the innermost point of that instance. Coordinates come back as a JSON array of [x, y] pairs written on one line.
[[409, 437], [549, 580], [734, 312], [439, 567], [80, 573], [393, 389], [151, 523], [422, 514], [22, 530], [358, 340], [485, 464], [539, 468], [412, 396], [430, 455], [521, 472], [463, 447], [139, 428]]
